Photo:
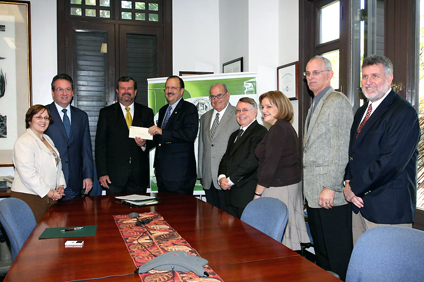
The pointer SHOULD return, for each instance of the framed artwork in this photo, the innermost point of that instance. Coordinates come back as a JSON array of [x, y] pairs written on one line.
[[185, 73], [235, 65], [287, 80], [15, 74]]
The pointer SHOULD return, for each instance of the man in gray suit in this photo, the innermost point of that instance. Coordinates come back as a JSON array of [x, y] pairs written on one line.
[[216, 127], [325, 155]]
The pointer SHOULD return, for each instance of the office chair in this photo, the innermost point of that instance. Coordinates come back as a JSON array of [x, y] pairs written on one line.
[[388, 253], [269, 215], [18, 221]]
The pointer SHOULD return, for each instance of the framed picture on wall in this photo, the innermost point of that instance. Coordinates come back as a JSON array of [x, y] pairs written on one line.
[[185, 73], [15, 74], [235, 65], [287, 80]]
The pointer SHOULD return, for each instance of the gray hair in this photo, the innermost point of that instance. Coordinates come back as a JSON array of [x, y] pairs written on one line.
[[217, 84], [379, 59], [249, 101], [327, 63]]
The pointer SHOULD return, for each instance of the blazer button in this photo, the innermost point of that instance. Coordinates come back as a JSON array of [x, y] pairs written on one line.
[[211, 145], [350, 158], [159, 144]]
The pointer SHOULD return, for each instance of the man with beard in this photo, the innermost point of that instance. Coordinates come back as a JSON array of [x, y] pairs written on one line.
[[381, 175], [122, 162], [175, 164]]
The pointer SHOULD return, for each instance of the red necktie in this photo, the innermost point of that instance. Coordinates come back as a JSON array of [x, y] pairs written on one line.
[[367, 116]]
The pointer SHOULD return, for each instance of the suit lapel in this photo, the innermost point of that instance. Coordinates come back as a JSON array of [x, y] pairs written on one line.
[[174, 113], [207, 124], [120, 116], [382, 108], [56, 118], [243, 138], [224, 120], [316, 113]]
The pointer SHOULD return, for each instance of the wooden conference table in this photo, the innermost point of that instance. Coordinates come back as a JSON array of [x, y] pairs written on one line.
[[235, 250]]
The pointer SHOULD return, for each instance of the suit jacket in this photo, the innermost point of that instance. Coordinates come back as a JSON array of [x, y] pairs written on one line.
[[117, 155], [382, 166], [278, 156], [76, 152], [240, 164], [36, 171], [174, 157], [325, 147], [211, 150]]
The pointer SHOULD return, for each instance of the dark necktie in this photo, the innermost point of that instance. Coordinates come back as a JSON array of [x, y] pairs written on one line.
[[367, 116], [167, 115], [215, 125], [66, 123], [240, 133]]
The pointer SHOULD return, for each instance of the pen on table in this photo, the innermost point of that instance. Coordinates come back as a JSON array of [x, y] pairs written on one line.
[[71, 229]]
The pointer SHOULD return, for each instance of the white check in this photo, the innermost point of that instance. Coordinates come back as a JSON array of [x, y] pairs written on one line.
[[142, 132]]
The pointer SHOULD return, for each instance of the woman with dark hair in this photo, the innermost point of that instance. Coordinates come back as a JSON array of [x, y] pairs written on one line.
[[39, 179], [279, 171]]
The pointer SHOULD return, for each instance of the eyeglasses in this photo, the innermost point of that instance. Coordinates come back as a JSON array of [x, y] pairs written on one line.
[[41, 118], [173, 88], [219, 96], [314, 73], [61, 90], [242, 111]]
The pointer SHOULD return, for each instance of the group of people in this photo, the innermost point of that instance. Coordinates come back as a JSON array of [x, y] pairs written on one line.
[[365, 163]]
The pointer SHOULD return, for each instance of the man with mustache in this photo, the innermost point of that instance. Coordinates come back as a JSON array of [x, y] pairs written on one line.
[[175, 164], [122, 162], [381, 176]]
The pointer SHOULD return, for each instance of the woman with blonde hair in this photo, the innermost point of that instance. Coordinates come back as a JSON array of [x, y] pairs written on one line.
[[39, 179], [279, 172]]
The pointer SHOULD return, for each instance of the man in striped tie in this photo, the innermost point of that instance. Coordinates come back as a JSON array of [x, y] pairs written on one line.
[[381, 175], [216, 127]]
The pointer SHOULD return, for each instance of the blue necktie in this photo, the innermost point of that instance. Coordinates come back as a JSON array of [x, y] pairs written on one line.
[[66, 122], [167, 115]]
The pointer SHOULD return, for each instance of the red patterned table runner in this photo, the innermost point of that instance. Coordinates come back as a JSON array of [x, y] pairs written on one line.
[[152, 239]]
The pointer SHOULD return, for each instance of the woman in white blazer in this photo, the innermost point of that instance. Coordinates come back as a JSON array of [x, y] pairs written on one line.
[[39, 179]]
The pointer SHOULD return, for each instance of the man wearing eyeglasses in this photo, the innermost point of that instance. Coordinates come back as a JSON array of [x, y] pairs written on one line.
[[216, 127], [325, 155], [174, 136], [238, 167], [71, 135]]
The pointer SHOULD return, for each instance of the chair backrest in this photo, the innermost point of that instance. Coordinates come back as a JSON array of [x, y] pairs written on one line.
[[388, 253], [18, 221], [269, 215]]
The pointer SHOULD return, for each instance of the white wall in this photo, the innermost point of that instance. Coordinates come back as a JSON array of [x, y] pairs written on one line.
[[195, 35], [289, 42], [206, 34], [234, 31], [44, 54]]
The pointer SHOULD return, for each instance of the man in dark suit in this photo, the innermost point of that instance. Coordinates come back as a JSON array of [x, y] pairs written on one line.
[[381, 175], [238, 167], [122, 162], [71, 135], [216, 127], [175, 164]]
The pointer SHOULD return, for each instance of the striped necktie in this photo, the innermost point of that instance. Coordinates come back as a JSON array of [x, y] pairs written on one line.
[[66, 122], [215, 125], [367, 116]]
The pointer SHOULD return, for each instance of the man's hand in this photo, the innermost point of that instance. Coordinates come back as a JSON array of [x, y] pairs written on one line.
[[326, 198], [153, 130], [87, 185], [351, 197], [104, 181], [225, 183], [61, 190], [140, 142]]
